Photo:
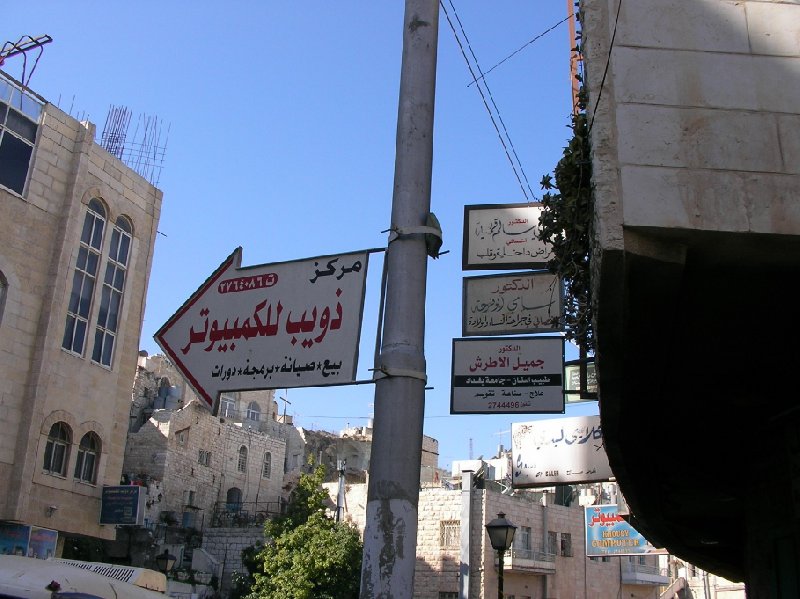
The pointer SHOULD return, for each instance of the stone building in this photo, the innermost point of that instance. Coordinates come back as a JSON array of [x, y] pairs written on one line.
[[201, 469], [77, 228], [547, 560], [695, 136], [353, 447]]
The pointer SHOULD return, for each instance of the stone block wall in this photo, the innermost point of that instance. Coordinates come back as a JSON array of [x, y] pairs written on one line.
[[696, 124], [42, 383]]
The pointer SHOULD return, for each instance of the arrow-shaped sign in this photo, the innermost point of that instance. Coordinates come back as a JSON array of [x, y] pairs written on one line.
[[280, 325]]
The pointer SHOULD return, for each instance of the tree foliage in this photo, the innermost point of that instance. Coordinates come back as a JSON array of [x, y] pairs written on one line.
[[566, 223], [307, 555]]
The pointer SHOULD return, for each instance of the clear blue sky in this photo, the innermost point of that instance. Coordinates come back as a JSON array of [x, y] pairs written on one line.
[[282, 120]]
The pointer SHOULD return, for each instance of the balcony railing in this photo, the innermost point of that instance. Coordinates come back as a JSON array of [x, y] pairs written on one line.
[[529, 560], [244, 513], [643, 574]]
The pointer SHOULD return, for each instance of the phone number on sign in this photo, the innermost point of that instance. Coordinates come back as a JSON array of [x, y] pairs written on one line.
[[497, 405]]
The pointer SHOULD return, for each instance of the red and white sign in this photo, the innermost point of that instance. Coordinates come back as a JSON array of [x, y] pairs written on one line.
[[281, 325]]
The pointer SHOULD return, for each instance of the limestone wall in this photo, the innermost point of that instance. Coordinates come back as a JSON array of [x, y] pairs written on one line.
[[696, 123], [42, 383]]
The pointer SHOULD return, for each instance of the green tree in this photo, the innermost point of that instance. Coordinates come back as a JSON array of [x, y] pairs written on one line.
[[307, 554]]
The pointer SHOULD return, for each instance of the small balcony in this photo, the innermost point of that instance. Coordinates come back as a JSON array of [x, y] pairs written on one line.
[[243, 514], [643, 574], [532, 561]]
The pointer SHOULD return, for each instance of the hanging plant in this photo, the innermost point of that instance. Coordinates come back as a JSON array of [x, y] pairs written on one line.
[[566, 224]]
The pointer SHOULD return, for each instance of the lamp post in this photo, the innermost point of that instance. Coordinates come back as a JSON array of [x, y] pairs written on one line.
[[165, 561], [501, 535]]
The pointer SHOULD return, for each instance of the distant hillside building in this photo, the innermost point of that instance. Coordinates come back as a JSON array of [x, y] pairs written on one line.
[[78, 230]]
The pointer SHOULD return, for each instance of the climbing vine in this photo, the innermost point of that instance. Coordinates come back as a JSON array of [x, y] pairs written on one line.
[[566, 224]]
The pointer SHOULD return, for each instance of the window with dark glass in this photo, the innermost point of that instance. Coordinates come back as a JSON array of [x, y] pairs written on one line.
[[566, 544], [56, 451], [20, 114], [254, 412], [88, 456], [266, 468], [242, 465], [111, 295], [3, 292], [84, 277]]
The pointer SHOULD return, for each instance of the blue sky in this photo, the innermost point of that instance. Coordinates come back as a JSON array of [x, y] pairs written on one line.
[[282, 120]]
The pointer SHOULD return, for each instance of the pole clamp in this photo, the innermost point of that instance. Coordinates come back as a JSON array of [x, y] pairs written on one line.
[[383, 372]]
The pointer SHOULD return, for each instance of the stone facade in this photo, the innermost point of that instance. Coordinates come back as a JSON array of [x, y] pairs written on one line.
[[555, 530], [59, 387], [199, 467]]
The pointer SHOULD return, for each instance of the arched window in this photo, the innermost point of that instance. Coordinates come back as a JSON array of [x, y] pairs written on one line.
[[56, 452], [84, 277], [233, 499], [242, 465], [266, 468], [254, 412], [111, 296], [88, 456]]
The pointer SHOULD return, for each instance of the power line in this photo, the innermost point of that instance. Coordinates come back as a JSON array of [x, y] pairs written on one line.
[[605, 71], [521, 48], [508, 148]]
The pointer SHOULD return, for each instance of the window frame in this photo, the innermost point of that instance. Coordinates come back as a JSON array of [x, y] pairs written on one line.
[[449, 534], [55, 442], [241, 465], [253, 409], [229, 404], [84, 278], [266, 465], [27, 109], [565, 545], [112, 292], [91, 449]]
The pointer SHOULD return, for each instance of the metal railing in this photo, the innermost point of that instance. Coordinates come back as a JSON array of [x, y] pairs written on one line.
[[534, 554], [244, 513]]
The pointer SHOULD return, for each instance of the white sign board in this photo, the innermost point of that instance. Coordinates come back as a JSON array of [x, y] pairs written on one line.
[[288, 324], [558, 451], [503, 236], [506, 375], [522, 302]]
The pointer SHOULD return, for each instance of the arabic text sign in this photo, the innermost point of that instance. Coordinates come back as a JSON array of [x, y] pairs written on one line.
[[558, 451], [288, 324], [502, 375], [512, 303], [503, 236], [122, 505], [607, 533], [572, 383]]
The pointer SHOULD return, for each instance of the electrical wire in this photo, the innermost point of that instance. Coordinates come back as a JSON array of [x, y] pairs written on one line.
[[508, 148], [521, 48], [605, 71]]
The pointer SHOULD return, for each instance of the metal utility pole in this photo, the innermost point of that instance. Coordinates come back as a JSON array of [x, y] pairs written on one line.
[[390, 535]]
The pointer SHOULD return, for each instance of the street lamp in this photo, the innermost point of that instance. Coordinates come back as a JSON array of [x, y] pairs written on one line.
[[165, 561], [501, 535]]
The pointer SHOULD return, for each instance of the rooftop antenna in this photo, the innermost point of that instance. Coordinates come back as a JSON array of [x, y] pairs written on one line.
[[470, 448], [21, 47], [285, 401]]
